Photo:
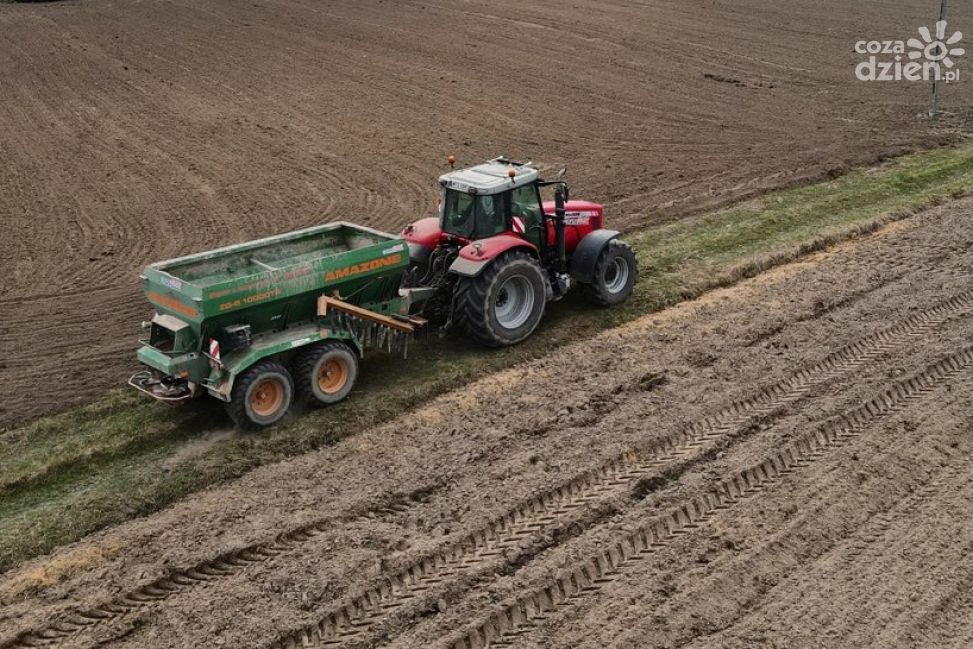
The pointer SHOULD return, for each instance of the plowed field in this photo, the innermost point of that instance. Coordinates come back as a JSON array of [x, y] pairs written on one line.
[[132, 131], [785, 463]]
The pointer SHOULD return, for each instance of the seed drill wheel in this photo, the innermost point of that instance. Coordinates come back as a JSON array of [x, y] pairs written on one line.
[[261, 396], [503, 305], [326, 373], [615, 273]]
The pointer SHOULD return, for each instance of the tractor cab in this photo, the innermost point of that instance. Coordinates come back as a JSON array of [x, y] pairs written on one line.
[[490, 199]]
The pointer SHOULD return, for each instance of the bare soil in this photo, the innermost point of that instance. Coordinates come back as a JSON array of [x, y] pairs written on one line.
[[784, 463], [134, 131]]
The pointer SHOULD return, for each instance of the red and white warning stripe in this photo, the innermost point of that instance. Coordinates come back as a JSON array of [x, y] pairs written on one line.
[[518, 225], [214, 352]]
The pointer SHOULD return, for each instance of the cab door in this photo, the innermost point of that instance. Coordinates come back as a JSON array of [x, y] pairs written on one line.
[[526, 214]]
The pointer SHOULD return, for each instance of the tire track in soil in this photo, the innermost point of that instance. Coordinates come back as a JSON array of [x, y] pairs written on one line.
[[848, 549], [229, 563], [587, 576], [868, 547], [541, 513], [890, 537], [353, 620]]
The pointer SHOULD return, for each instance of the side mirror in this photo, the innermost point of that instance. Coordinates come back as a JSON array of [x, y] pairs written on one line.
[[567, 192]]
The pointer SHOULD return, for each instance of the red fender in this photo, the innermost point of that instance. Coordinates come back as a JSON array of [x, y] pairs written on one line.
[[476, 256]]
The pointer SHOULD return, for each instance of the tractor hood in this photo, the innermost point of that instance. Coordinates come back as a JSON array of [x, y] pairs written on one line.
[[424, 232]]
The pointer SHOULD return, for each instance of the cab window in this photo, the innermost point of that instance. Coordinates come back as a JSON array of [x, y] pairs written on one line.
[[458, 214], [490, 216], [474, 217]]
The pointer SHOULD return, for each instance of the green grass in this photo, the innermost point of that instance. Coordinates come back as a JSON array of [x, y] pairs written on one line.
[[65, 476]]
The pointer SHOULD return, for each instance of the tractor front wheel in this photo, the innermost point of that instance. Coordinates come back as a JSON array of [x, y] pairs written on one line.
[[261, 396], [326, 373], [615, 273], [503, 305]]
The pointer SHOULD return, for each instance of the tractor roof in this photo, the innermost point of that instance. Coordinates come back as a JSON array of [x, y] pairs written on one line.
[[491, 177]]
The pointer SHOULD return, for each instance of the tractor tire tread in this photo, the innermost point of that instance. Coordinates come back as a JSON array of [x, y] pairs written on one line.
[[471, 300], [595, 292]]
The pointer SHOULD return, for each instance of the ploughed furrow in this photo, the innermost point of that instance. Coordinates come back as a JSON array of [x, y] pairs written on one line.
[[359, 614], [589, 575], [183, 579]]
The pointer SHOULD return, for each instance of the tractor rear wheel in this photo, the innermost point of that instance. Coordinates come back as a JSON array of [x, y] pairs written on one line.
[[503, 305], [261, 396], [326, 372], [615, 273]]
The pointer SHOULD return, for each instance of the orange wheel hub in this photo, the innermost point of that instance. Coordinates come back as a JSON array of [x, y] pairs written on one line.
[[332, 375], [267, 397]]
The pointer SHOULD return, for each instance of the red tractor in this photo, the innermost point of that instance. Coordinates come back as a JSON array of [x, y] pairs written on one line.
[[497, 253]]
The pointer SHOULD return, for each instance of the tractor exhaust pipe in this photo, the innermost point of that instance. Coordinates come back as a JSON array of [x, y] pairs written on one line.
[[559, 199]]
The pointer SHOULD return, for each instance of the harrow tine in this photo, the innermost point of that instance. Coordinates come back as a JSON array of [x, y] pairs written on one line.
[[390, 334]]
